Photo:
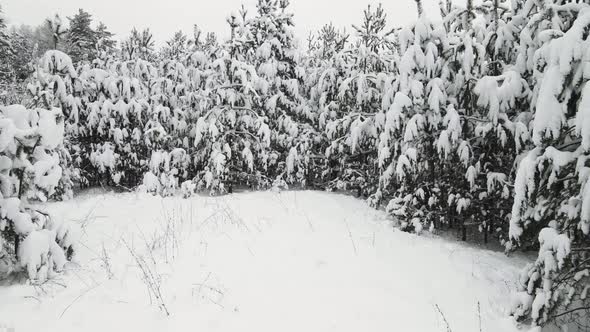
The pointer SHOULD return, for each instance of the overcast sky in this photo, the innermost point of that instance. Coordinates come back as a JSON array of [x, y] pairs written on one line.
[[164, 17]]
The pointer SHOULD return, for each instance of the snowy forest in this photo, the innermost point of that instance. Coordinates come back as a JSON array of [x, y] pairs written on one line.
[[476, 125]]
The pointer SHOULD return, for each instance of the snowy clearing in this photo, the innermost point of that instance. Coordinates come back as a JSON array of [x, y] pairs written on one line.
[[291, 261]]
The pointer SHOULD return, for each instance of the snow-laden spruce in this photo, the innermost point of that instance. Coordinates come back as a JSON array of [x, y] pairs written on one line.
[[552, 199], [30, 170]]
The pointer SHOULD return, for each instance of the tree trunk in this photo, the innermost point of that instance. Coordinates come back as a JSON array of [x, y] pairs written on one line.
[[463, 231]]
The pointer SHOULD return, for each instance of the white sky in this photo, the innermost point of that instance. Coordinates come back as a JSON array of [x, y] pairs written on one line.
[[164, 17]]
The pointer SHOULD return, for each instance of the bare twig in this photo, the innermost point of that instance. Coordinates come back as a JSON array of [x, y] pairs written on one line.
[[33, 297], [77, 298], [350, 235], [151, 278], [479, 315], [443, 317], [106, 262]]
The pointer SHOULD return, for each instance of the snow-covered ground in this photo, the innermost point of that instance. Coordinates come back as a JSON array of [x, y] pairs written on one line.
[[291, 261]]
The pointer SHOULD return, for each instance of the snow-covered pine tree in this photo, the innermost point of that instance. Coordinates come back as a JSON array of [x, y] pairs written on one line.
[[247, 131], [57, 29], [6, 51], [326, 67], [501, 39], [552, 201], [139, 45], [30, 170], [4, 38], [105, 44], [167, 132], [348, 94], [276, 59], [229, 140], [330, 41], [53, 86], [176, 46], [23, 56], [106, 111], [461, 70], [81, 38], [481, 111], [412, 117]]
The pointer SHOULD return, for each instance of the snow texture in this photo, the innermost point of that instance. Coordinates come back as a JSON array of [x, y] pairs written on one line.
[[308, 261]]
